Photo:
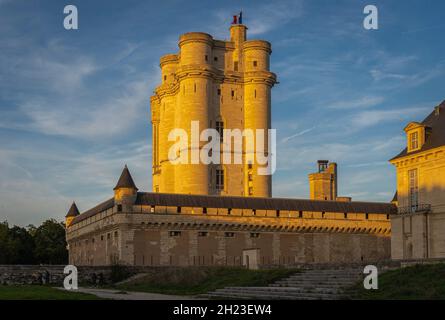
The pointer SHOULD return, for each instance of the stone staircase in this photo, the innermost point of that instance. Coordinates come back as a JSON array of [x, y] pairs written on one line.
[[315, 284]]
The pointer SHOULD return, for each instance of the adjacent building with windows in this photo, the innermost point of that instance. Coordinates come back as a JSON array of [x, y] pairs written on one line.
[[418, 229]]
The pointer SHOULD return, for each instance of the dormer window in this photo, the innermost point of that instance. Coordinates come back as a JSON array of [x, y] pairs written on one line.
[[416, 134], [414, 140]]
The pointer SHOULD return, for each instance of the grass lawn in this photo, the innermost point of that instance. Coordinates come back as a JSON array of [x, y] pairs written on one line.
[[36, 292], [416, 282], [190, 281]]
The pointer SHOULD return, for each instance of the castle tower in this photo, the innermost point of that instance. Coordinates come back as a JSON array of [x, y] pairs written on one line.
[[72, 213], [125, 191], [214, 84], [323, 184]]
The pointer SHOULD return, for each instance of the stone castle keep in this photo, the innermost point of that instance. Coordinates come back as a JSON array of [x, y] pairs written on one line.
[[199, 214], [222, 85]]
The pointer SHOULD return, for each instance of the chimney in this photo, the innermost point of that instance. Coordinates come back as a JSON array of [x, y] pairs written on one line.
[[322, 165]]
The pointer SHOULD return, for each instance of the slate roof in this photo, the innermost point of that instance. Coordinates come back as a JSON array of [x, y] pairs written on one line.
[[73, 211], [95, 210], [395, 197], [436, 123], [125, 180], [187, 200]]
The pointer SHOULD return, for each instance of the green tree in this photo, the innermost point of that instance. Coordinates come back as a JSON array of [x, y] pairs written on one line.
[[4, 243], [50, 243], [21, 245]]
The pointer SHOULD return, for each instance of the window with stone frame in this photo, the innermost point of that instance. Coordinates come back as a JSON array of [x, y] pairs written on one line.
[[413, 190], [220, 129], [219, 179], [414, 140]]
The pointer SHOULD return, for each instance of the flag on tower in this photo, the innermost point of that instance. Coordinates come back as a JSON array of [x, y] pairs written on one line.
[[235, 18], [240, 19]]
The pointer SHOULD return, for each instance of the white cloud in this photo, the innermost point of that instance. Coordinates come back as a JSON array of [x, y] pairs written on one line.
[[60, 97], [370, 118], [298, 134], [40, 184], [111, 117], [363, 102], [259, 18]]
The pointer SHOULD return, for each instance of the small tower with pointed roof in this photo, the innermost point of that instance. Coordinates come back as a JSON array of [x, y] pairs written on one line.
[[72, 213], [125, 190]]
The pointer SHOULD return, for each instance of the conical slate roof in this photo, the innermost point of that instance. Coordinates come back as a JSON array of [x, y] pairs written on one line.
[[125, 180], [73, 211]]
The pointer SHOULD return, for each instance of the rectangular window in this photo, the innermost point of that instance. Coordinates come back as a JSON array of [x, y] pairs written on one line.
[[233, 93], [119, 207], [202, 234], [206, 57], [255, 63], [413, 190], [254, 235], [215, 59], [220, 129], [219, 179], [414, 140], [219, 92], [229, 234], [250, 191], [175, 233], [235, 66]]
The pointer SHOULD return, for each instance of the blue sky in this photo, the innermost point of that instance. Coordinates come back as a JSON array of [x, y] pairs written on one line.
[[74, 105]]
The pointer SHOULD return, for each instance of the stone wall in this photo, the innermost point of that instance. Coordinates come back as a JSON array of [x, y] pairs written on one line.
[[50, 274], [218, 238], [174, 246]]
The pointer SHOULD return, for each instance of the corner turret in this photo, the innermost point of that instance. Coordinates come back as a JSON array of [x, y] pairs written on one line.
[[125, 190], [72, 213]]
